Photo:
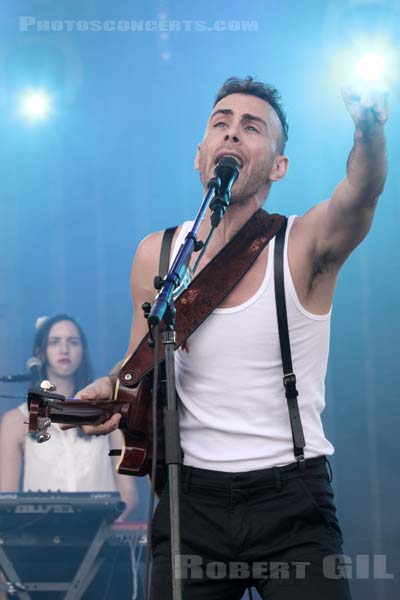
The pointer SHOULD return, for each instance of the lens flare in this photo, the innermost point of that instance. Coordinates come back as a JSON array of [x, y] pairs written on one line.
[[370, 67], [371, 64], [35, 105]]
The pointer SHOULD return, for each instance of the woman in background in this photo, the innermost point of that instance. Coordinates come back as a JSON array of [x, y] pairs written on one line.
[[70, 461]]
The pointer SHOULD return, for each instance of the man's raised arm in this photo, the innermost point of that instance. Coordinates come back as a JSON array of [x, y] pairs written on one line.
[[339, 224]]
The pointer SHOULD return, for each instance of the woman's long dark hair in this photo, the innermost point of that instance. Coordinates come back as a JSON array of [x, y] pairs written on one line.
[[83, 375]]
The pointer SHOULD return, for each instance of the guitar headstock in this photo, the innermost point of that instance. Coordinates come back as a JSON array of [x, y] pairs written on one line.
[[39, 403]]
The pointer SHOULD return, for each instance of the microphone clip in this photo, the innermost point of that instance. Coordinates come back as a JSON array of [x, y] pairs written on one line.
[[218, 208], [214, 183], [146, 307]]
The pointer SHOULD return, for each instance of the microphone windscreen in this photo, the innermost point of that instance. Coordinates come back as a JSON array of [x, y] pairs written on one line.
[[32, 362]]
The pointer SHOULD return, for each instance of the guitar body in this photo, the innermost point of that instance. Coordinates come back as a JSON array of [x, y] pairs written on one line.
[[137, 430]]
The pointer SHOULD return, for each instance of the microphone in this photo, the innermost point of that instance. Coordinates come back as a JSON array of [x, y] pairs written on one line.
[[226, 172], [33, 365], [14, 378]]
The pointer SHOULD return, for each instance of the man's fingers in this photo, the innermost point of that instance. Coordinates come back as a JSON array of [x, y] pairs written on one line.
[[101, 429], [350, 94], [367, 107], [86, 395], [97, 389], [104, 428]]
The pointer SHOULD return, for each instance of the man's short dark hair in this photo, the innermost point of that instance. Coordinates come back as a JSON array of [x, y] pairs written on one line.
[[266, 92]]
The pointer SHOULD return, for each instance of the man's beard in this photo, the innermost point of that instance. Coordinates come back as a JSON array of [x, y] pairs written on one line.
[[242, 194], [242, 190]]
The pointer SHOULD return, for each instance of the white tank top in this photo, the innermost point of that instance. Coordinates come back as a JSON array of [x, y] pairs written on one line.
[[68, 462], [233, 411]]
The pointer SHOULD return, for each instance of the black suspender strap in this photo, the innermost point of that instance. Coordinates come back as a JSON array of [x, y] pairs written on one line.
[[165, 251], [289, 378]]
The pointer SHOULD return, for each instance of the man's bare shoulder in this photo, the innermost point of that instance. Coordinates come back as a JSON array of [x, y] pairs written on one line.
[[148, 251], [313, 264], [148, 247], [307, 225], [151, 240], [146, 264]]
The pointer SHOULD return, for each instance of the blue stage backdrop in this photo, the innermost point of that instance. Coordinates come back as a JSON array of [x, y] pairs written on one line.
[[131, 85]]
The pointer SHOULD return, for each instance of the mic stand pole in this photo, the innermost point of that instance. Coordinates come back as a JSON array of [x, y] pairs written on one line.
[[173, 453], [163, 308]]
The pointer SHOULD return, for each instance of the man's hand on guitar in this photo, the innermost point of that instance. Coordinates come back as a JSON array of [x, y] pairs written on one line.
[[104, 428], [100, 389]]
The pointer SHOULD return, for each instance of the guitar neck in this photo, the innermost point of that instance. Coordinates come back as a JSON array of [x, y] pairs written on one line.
[[80, 412], [47, 406]]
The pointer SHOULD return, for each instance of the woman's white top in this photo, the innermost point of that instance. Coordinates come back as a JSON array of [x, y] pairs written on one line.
[[68, 462]]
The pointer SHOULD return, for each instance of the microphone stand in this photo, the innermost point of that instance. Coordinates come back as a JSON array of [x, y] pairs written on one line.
[[173, 453], [164, 308], [14, 378], [217, 198]]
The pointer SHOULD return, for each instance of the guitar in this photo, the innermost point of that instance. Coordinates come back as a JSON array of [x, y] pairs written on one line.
[[46, 407]]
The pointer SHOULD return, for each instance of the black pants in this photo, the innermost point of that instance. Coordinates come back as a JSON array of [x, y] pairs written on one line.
[[274, 529]]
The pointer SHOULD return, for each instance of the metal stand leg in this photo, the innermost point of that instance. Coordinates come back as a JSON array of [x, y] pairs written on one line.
[[14, 584], [74, 589], [88, 568]]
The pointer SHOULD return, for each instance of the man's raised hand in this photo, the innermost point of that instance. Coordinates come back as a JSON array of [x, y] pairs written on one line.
[[367, 106]]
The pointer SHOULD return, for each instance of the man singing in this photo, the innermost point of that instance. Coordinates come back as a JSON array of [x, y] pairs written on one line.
[[247, 496]]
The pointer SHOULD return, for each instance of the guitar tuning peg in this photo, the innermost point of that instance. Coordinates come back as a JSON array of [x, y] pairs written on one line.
[[47, 386], [42, 435]]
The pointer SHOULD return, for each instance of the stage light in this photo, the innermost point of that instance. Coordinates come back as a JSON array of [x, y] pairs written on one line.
[[35, 105], [371, 68], [368, 65]]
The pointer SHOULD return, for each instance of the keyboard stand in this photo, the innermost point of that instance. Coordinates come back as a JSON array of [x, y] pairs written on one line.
[[12, 582], [61, 545], [89, 566], [74, 589]]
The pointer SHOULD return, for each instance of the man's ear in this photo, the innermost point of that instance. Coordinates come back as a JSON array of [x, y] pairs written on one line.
[[279, 168], [196, 158]]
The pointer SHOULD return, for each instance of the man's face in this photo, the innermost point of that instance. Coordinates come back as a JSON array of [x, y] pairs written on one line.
[[247, 128]]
